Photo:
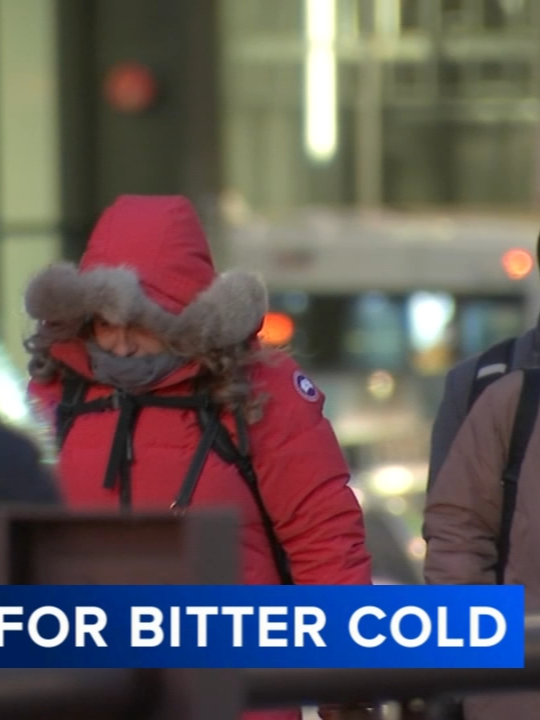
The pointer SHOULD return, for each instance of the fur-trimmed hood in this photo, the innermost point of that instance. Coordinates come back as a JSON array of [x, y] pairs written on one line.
[[148, 262]]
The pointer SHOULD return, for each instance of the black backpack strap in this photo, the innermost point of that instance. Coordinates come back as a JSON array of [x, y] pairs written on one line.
[[121, 457], [243, 433], [215, 436], [122, 453], [239, 455], [74, 389], [191, 478], [245, 466], [524, 422], [491, 365]]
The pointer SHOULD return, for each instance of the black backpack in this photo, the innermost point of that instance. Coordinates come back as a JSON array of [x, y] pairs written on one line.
[[492, 365], [214, 436]]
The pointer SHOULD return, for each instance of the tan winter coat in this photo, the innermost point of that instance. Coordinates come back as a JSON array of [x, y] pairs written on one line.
[[462, 517]]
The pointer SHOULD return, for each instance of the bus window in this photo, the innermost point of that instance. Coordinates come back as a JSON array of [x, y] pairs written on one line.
[[374, 333], [484, 322], [421, 333], [429, 318], [318, 326]]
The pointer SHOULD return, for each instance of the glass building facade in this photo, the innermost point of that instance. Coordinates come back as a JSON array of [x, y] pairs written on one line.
[[339, 103], [382, 102]]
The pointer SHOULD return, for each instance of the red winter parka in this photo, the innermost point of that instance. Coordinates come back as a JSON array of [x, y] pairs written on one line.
[[148, 263], [151, 251]]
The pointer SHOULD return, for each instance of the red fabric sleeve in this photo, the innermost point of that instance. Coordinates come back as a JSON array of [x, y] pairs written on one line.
[[304, 478]]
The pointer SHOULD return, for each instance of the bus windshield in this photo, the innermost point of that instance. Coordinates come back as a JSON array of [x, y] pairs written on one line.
[[381, 359], [423, 332]]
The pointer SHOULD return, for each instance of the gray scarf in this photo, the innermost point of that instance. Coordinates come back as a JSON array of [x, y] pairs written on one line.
[[131, 373]]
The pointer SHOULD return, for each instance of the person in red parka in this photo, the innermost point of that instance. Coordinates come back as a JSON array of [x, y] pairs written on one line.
[[146, 315]]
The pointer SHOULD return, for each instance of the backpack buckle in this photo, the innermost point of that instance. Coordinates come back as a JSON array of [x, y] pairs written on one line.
[[509, 478], [177, 510], [117, 397]]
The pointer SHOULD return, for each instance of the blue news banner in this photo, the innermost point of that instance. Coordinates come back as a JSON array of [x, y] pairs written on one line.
[[98, 626]]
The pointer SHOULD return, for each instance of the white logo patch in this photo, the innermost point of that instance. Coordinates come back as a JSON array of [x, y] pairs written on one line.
[[305, 387]]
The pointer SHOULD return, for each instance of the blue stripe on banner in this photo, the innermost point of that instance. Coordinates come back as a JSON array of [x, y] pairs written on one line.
[[261, 627]]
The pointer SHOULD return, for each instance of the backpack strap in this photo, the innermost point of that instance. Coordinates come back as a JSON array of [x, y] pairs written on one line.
[[204, 448], [491, 365], [121, 457], [524, 422], [74, 389], [240, 456], [215, 436], [122, 453]]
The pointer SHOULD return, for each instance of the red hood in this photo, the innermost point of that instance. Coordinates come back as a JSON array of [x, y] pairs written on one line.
[[162, 239], [147, 263]]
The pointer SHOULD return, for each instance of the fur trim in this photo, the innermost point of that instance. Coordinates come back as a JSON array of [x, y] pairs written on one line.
[[226, 313]]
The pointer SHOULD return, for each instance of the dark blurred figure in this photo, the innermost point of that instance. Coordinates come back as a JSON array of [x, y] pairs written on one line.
[[24, 478], [465, 384]]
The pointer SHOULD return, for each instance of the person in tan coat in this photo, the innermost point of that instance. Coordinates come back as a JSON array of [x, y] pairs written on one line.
[[462, 519]]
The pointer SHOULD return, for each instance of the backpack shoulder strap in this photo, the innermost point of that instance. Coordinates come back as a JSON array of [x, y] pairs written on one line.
[[206, 444], [74, 389], [525, 418], [240, 456], [491, 365]]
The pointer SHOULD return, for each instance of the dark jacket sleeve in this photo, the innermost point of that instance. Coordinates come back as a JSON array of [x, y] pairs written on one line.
[[24, 479], [454, 406], [451, 414]]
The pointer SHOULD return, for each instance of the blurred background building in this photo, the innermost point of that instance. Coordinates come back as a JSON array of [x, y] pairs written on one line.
[[395, 102], [377, 160]]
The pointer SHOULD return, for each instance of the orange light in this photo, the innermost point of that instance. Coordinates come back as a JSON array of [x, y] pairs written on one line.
[[277, 329], [517, 263]]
